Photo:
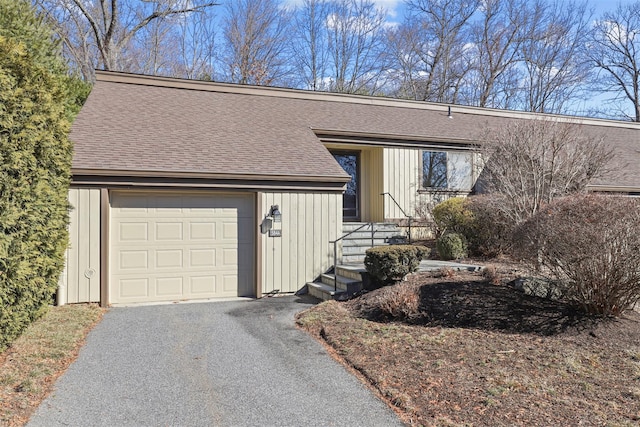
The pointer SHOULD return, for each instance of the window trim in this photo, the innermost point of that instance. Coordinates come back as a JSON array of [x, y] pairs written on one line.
[[421, 178]]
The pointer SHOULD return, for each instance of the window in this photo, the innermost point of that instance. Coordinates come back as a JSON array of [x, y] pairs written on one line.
[[447, 170], [434, 169]]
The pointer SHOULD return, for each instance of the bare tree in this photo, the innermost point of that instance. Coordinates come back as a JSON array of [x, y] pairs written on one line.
[[153, 50], [517, 54], [532, 162], [355, 34], [553, 69], [431, 46], [614, 49], [197, 46], [256, 33], [78, 45], [101, 31], [496, 38], [404, 48], [310, 51]]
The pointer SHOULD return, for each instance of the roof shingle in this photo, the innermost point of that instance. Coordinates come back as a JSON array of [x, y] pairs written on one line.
[[149, 124]]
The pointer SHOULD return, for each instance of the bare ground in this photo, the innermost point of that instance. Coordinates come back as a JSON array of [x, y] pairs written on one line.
[[477, 353]]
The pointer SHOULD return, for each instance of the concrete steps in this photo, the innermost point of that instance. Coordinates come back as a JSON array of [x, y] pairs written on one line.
[[356, 244], [347, 278], [348, 281]]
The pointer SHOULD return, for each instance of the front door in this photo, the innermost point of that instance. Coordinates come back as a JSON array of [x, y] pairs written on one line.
[[350, 162]]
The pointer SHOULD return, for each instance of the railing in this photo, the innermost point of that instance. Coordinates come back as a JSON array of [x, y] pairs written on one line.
[[335, 249], [409, 217]]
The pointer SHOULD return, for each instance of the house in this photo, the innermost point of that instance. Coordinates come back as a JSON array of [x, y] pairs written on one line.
[[186, 190]]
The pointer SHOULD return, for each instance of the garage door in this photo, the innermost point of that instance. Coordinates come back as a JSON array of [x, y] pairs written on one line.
[[169, 247]]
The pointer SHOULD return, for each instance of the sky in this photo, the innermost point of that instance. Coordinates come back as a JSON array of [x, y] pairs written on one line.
[[607, 5], [395, 8], [395, 15]]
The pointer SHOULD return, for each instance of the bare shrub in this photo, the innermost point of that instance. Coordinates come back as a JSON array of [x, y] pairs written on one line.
[[490, 273], [590, 246], [399, 302], [446, 272], [532, 162]]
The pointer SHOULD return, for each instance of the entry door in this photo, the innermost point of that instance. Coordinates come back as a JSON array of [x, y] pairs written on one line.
[[350, 162]]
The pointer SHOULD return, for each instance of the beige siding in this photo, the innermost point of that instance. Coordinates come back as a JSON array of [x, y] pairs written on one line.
[[80, 280], [402, 180], [401, 166], [372, 184], [309, 222]]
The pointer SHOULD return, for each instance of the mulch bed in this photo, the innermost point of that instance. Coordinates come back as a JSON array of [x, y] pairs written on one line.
[[483, 354]]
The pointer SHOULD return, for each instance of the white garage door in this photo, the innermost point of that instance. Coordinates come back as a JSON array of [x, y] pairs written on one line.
[[169, 247]]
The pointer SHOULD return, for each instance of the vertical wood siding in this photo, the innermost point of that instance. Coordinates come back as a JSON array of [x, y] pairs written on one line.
[[402, 179], [80, 280], [309, 222], [401, 166], [372, 184]]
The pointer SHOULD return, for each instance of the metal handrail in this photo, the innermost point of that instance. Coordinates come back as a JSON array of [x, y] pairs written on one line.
[[409, 217], [335, 250]]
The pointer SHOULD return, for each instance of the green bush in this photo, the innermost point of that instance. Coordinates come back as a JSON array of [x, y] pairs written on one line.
[[452, 216], [35, 164], [489, 234], [386, 264], [486, 229], [451, 246]]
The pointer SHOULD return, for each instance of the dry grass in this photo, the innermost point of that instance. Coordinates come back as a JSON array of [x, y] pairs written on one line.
[[487, 355], [29, 368], [397, 302]]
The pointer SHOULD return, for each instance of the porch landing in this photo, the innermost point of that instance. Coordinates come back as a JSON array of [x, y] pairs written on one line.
[[425, 265]]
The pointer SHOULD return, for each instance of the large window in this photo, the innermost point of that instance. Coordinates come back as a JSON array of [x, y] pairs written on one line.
[[434, 169], [447, 170]]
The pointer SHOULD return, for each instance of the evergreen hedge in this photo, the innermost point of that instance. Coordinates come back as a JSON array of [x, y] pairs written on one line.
[[35, 164], [451, 246], [386, 264]]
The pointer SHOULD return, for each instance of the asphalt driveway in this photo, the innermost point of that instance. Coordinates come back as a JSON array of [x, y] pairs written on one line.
[[236, 363]]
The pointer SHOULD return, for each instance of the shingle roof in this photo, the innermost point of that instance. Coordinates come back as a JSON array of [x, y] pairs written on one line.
[[149, 124]]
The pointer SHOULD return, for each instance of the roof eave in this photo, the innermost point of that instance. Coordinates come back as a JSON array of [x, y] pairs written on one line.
[[208, 175], [614, 188]]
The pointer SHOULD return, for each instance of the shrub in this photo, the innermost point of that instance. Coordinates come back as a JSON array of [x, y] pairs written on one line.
[[398, 302], [452, 216], [487, 230], [451, 246], [532, 162], [491, 274], [386, 264], [489, 233], [589, 247], [35, 164], [446, 272]]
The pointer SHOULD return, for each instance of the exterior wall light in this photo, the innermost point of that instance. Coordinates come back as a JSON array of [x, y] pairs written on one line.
[[274, 213]]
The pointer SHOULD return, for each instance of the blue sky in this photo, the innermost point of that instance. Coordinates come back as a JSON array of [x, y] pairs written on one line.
[[395, 7], [606, 5]]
